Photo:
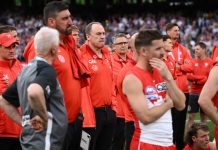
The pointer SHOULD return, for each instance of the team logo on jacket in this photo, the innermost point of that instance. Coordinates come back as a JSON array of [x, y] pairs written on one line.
[[151, 93], [206, 64], [61, 58], [186, 61], [94, 67], [161, 87], [5, 79], [92, 61], [196, 64]]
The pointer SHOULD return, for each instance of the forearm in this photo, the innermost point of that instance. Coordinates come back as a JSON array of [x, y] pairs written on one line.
[[156, 112], [37, 103], [11, 111], [176, 95], [209, 109]]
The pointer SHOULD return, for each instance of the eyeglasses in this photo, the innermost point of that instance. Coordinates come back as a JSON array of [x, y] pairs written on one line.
[[121, 43]]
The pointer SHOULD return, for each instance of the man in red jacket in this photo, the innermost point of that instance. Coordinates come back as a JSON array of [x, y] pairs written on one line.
[[119, 60], [182, 59], [100, 86], [9, 69], [201, 66], [168, 56], [128, 112], [70, 69]]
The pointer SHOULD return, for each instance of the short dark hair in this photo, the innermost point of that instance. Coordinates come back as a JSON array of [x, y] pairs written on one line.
[[145, 38], [202, 45], [7, 28], [193, 130], [119, 35], [165, 37], [89, 27], [52, 8], [169, 26]]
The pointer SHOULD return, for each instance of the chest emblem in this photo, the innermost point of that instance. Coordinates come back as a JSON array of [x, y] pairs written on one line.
[[5, 79], [151, 93], [61, 58]]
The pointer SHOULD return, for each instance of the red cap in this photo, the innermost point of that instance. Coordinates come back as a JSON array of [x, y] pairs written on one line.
[[7, 40]]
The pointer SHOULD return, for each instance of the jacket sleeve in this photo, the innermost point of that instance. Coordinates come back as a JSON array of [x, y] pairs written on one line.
[[186, 67], [192, 77], [202, 81]]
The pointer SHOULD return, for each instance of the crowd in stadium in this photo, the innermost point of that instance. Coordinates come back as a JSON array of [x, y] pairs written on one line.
[[127, 82], [202, 27]]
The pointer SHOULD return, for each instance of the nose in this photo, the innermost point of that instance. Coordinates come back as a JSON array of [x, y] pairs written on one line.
[[207, 137], [102, 36], [70, 21], [162, 52]]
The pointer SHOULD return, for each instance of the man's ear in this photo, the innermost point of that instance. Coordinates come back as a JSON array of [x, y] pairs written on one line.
[[87, 36], [53, 51], [51, 22], [194, 139], [144, 50]]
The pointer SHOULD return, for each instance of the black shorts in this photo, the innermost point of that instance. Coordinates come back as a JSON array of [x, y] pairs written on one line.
[[193, 106]]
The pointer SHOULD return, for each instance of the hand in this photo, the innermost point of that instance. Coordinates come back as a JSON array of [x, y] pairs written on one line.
[[161, 66], [38, 124]]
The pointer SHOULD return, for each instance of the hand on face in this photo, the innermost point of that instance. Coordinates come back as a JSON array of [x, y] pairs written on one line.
[[161, 66]]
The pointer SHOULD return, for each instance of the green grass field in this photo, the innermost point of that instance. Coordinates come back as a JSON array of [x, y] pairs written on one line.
[[211, 126]]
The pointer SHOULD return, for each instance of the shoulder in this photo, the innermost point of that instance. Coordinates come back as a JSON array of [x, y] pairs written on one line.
[[45, 67], [131, 83], [212, 79]]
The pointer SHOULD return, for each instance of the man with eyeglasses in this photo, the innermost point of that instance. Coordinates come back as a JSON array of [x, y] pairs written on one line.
[[119, 60], [9, 70]]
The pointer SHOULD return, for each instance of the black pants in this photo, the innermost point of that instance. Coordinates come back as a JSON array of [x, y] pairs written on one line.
[[73, 136], [129, 130], [179, 119], [105, 124], [7, 143], [118, 137]]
